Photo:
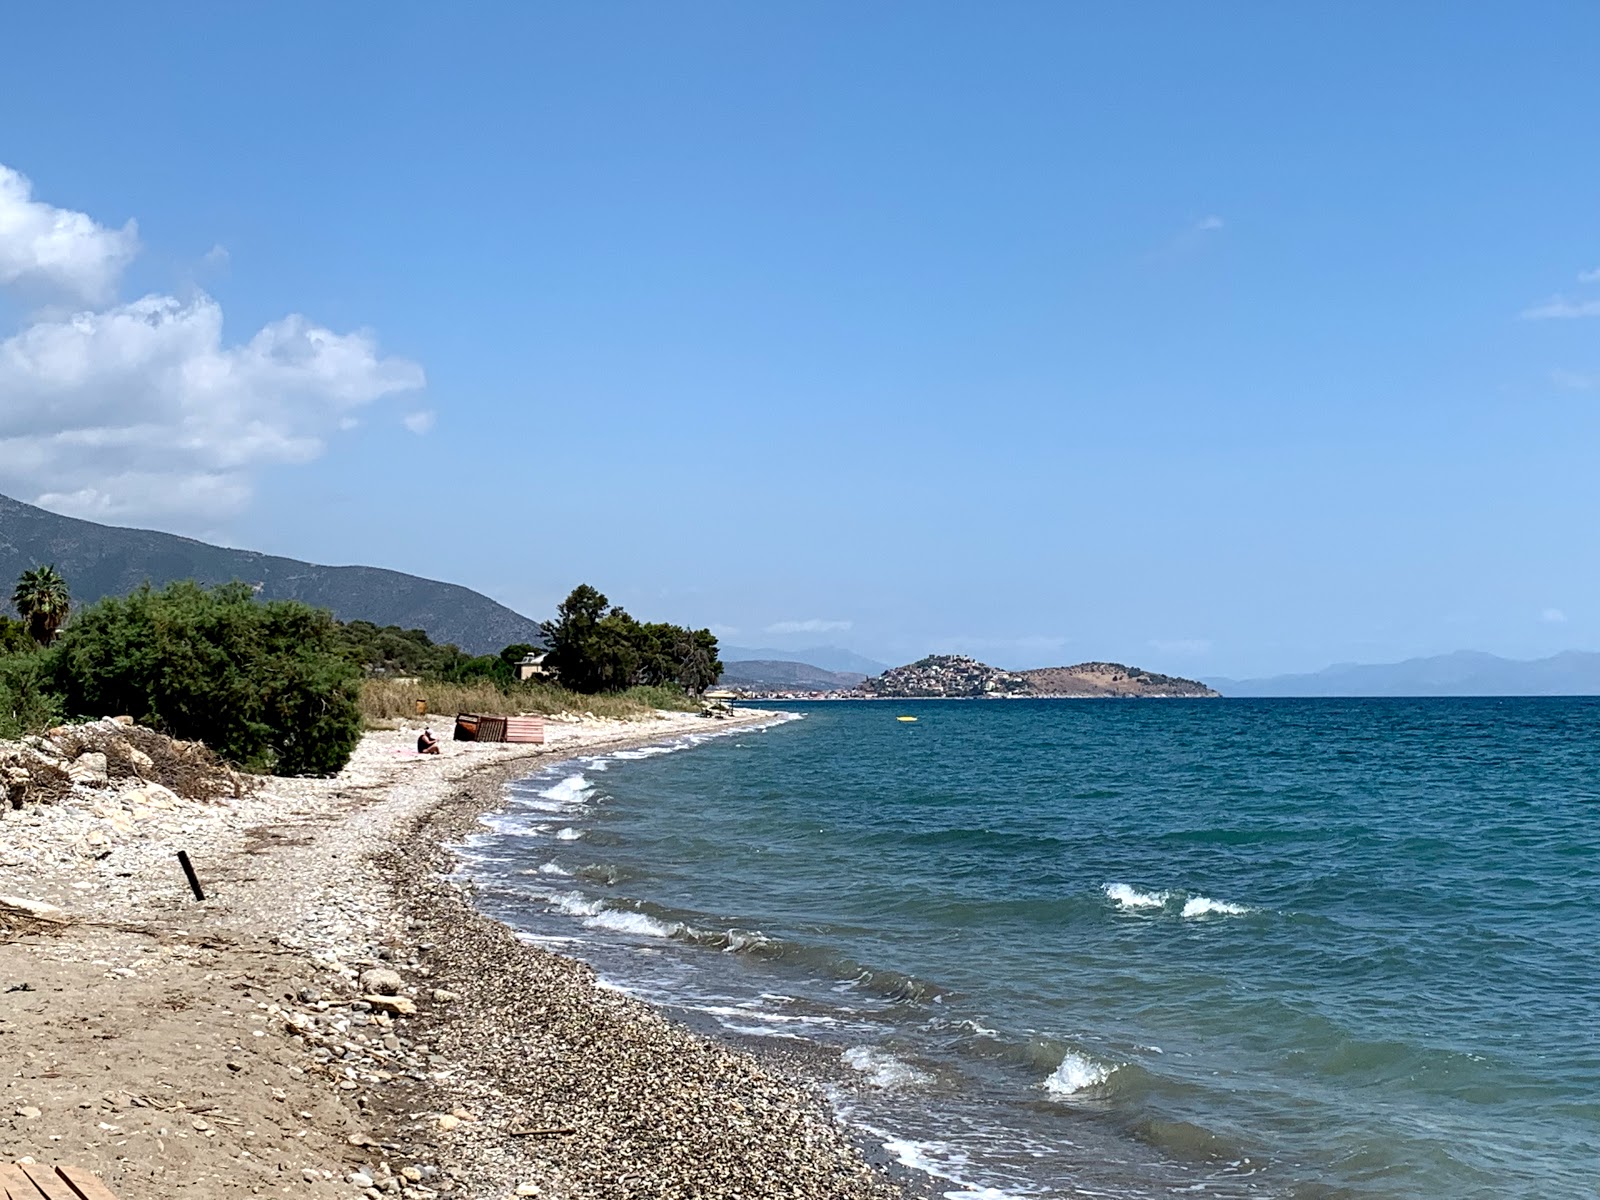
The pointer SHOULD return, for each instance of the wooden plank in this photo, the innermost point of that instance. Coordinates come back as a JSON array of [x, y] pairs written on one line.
[[85, 1185], [14, 1183], [526, 730], [45, 1180]]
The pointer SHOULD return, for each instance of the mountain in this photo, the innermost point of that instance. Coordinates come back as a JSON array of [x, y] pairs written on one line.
[[1464, 673], [829, 658], [950, 676], [104, 560], [776, 675]]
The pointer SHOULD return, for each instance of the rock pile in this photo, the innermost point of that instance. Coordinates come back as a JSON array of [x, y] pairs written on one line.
[[111, 754]]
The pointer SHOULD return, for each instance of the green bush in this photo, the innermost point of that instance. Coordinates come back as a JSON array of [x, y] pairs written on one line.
[[263, 684], [27, 702]]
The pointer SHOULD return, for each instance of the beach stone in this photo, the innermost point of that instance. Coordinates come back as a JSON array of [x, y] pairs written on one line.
[[360, 1179], [382, 981], [89, 768], [411, 1174], [27, 1110], [449, 1122], [399, 1005]]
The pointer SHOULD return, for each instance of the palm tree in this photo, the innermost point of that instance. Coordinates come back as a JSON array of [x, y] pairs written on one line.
[[42, 600]]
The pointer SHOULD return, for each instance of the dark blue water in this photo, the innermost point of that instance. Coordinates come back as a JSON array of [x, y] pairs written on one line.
[[1243, 948]]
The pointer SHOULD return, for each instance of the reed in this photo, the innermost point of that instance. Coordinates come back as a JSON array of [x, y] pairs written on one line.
[[390, 699]]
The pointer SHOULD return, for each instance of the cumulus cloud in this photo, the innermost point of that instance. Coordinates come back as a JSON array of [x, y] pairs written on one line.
[[813, 625], [418, 422], [1561, 308], [1553, 616], [58, 251], [143, 409]]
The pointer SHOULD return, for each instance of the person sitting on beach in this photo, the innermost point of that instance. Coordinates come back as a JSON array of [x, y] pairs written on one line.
[[427, 743]]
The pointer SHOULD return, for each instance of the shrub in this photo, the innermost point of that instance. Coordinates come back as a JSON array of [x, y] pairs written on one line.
[[262, 684], [27, 701]]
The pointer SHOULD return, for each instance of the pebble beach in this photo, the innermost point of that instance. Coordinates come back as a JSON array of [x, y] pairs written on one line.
[[335, 1019]]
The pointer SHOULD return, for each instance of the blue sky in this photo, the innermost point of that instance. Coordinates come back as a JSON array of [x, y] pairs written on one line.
[[1225, 340]]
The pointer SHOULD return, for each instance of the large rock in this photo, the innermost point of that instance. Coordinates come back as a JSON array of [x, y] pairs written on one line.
[[382, 981], [89, 768]]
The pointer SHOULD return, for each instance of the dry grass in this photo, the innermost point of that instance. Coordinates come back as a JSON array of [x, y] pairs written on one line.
[[388, 700]]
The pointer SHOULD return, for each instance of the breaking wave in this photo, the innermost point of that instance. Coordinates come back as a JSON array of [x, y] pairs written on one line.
[[1075, 1073], [1131, 898], [1205, 906], [882, 1069]]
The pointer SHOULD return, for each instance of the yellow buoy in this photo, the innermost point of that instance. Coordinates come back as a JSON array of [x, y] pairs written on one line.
[[907, 719]]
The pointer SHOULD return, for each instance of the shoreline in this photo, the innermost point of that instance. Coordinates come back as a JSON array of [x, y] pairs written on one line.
[[311, 1083]]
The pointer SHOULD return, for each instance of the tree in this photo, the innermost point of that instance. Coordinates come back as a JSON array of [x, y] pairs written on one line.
[[264, 684], [572, 638], [43, 602], [14, 637], [597, 648]]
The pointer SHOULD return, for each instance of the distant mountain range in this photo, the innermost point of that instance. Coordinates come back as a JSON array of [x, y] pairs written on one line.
[[829, 658], [1464, 673], [776, 675], [103, 560]]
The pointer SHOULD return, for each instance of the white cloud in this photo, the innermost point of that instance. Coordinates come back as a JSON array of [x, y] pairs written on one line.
[[418, 422], [217, 256], [1578, 381], [1187, 647], [1208, 224], [1561, 308], [1553, 616], [58, 250], [1589, 276], [143, 409], [814, 625]]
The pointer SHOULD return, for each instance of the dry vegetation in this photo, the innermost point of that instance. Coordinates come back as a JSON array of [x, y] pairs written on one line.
[[389, 699]]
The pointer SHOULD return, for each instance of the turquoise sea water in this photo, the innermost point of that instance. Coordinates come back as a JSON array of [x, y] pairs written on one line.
[[1288, 948]]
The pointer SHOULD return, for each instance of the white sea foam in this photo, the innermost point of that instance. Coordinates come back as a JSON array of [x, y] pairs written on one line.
[[1131, 898], [740, 940], [576, 904], [1075, 1073], [551, 868], [569, 834], [881, 1068], [941, 1161], [1205, 906], [571, 789], [630, 922]]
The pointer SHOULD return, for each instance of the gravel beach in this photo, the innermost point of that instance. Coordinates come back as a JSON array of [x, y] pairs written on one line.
[[336, 1020]]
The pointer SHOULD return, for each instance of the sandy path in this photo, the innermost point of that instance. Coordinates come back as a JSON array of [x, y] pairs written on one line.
[[224, 1049]]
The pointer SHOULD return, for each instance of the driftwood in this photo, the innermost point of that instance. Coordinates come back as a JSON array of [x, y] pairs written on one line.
[[558, 1131]]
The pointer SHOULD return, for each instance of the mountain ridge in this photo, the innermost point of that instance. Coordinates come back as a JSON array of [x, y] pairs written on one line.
[[827, 658], [105, 560], [1459, 673]]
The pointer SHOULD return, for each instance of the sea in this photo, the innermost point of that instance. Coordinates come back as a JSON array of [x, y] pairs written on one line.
[[1306, 949]]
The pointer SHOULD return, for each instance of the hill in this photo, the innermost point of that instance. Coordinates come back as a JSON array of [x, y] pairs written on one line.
[[1110, 679], [1463, 673], [102, 560], [953, 676], [946, 677], [829, 658], [782, 676]]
